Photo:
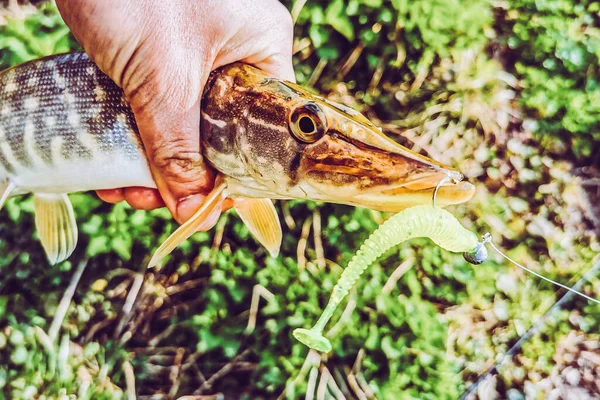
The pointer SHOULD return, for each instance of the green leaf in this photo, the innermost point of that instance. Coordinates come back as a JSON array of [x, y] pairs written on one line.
[[337, 18]]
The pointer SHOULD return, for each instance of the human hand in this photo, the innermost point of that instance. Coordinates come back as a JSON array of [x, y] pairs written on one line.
[[161, 53]]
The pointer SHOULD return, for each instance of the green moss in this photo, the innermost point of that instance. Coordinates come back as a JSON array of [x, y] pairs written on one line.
[[557, 47]]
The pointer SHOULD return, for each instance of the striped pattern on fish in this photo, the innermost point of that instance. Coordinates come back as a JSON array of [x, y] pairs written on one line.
[[66, 127]]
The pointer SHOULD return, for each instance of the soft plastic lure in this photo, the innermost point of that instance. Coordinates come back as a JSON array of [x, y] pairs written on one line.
[[419, 221]]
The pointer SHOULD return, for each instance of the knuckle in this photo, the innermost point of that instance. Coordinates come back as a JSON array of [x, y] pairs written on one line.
[[183, 170], [175, 160]]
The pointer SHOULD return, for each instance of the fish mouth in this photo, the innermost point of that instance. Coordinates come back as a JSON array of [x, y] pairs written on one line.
[[342, 170], [416, 193]]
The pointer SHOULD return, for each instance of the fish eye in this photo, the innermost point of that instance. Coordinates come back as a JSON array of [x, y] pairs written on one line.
[[307, 123]]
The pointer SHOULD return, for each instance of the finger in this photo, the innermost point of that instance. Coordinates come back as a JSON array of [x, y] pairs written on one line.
[[143, 198], [111, 195]]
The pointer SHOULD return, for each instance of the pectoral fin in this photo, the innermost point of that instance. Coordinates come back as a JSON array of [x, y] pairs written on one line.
[[261, 218], [56, 226], [213, 202]]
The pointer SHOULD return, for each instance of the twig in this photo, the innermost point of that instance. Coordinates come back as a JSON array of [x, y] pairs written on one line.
[[130, 299], [312, 359], [190, 361], [257, 292], [353, 383], [335, 329], [377, 217], [351, 60], [159, 337], [113, 273], [287, 215], [96, 327], [364, 385], [298, 5], [173, 310], [245, 366], [63, 306], [396, 275], [301, 45], [331, 383], [120, 288], [312, 268], [322, 388], [534, 330], [133, 292], [227, 368], [316, 74], [320, 253], [171, 290], [199, 373], [218, 238], [129, 380], [352, 376], [339, 378], [419, 79], [175, 370], [334, 267], [133, 323], [312, 383], [356, 367], [591, 182], [301, 249], [376, 78]]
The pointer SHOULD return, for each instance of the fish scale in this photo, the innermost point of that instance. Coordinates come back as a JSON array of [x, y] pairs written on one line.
[[63, 119], [66, 127]]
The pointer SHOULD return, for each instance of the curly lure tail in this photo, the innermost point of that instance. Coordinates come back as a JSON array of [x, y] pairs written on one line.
[[419, 221]]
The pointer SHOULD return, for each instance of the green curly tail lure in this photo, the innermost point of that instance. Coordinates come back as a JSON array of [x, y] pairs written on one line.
[[419, 221]]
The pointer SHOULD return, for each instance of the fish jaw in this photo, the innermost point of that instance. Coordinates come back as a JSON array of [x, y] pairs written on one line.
[[338, 170]]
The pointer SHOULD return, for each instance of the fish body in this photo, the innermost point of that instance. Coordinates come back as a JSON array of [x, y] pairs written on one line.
[[66, 127]]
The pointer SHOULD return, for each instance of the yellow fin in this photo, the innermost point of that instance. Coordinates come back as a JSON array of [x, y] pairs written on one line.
[[261, 218], [213, 201], [56, 226], [6, 188]]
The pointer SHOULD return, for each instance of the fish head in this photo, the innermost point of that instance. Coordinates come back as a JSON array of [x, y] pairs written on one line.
[[284, 141]]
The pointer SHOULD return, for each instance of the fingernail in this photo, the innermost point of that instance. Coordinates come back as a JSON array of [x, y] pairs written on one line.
[[187, 206]]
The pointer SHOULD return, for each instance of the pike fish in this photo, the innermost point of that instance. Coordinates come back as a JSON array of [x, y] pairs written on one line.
[[66, 127]]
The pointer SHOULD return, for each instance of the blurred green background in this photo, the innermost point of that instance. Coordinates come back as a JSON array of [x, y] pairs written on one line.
[[508, 91]]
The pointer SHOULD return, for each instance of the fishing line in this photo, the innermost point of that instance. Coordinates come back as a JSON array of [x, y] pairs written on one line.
[[534, 330], [487, 238]]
